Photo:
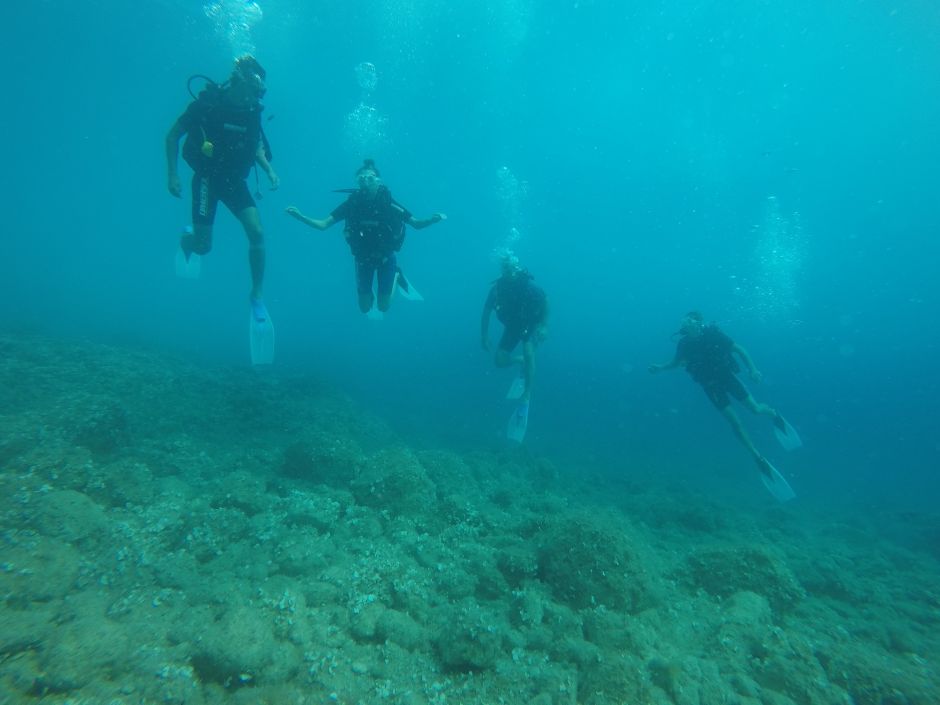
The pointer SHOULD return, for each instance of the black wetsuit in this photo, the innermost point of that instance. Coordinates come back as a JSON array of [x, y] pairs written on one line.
[[234, 134], [375, 231], [520, 306], [709, 360]]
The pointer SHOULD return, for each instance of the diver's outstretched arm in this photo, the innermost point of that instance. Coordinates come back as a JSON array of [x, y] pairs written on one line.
[[419, 223], [321, 224]]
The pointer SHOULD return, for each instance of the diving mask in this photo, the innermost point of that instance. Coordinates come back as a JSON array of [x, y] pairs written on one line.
[[368, 178], [256, 83]]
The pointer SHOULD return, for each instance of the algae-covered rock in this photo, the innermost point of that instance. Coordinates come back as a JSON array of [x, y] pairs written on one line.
[[322, 459], [402, 629], [394, 480], [363, 620], [243, 491], [587, 562], [874, 676], [129, 482], [321, 510], [479, 561], [746, 629], [303, 553], [178, 570], [528, 605], [455, 583], [240, 648], [87, 648], [517, 562], [447, 470], [70, 516], [610, 629], [724, 571], [23, 630], [748, 609], [617, 679], [469, 636], [38, 569], [104, 429], [689, 680]]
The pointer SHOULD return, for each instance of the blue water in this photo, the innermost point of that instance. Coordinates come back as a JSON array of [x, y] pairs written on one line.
[[771, 164]]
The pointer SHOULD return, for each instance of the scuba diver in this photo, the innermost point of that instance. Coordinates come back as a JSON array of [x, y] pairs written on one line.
[[522, 308], [708, 355], [224, 139], [374, 231]]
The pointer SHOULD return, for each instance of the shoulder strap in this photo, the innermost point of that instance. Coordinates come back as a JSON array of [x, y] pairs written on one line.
[[385, 195]]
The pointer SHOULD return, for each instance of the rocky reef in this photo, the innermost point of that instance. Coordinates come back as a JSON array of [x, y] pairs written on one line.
[[178, 534]]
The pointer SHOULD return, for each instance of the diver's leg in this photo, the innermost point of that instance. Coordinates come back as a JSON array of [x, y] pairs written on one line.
[[739, 431], [507, 343], [758, 407], [762, 409], [528, 367], [365, 271], [503, 358], [251, 221], [385, 275], [235, 195], [717, 391], [733, 386]]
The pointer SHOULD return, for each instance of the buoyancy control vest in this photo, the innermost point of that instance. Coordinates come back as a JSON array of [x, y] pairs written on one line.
[[519, 302], [708, 356], [222, 138], [374, 226]]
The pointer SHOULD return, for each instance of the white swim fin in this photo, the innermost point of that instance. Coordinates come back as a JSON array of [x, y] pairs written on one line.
[[406, 288], [261, 339], [786, 434], [188, 268], [517, 388], [775, 482], [518, 423]]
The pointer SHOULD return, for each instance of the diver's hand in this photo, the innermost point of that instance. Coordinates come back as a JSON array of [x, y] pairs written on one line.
[[756, 376], [438, 217], [173, 186], [275, 180], [294, 212], [654, 368]]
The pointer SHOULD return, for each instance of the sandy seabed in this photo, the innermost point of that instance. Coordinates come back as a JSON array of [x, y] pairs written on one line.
[[178, 534]]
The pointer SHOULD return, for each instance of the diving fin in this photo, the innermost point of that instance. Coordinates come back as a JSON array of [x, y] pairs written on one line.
[[786, 434], [188, 268], [374, 314], [775, 482], [517, 388], [405, 288], [261, 338], [518, 422]]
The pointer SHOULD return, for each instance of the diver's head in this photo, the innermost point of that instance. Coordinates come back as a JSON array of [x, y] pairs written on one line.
[[368, 176], [692, 324], [248, 77], [509, 264]]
